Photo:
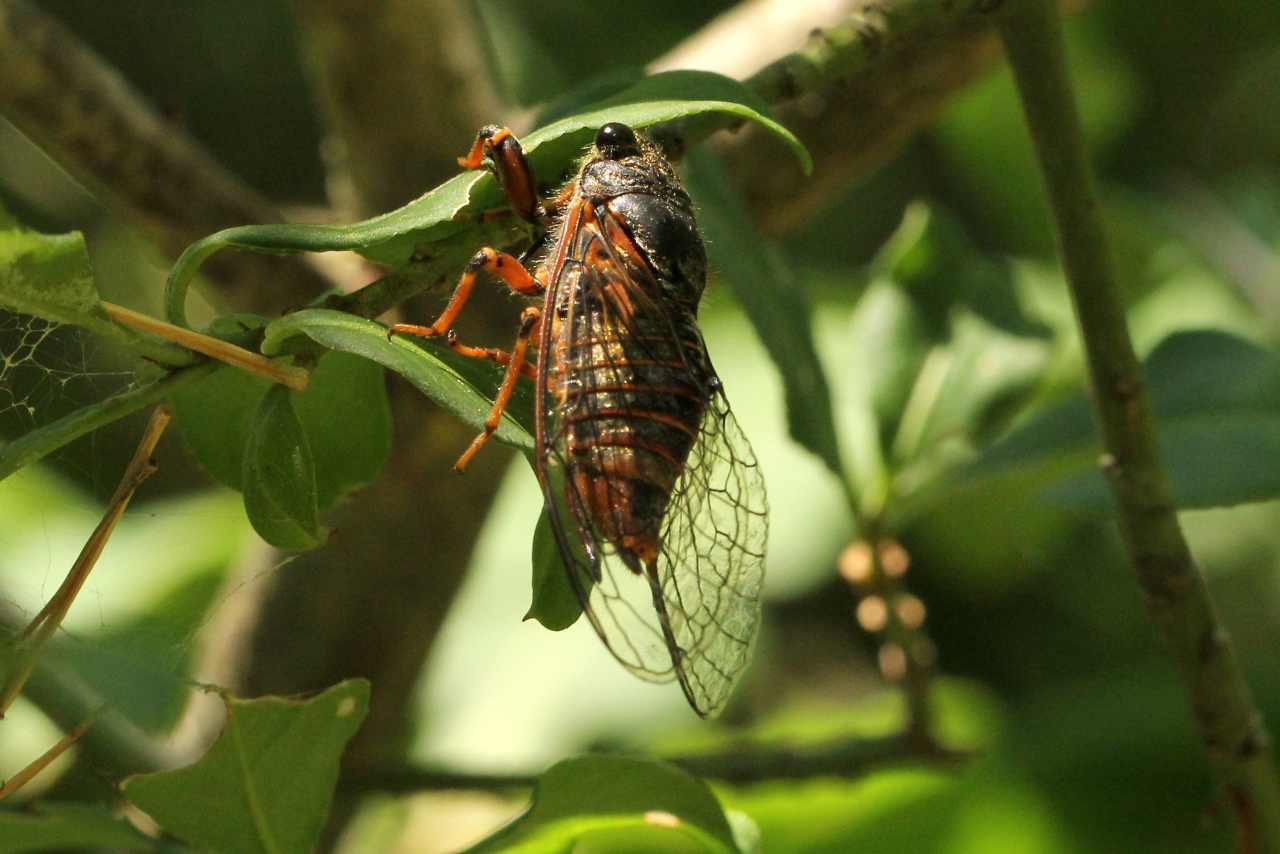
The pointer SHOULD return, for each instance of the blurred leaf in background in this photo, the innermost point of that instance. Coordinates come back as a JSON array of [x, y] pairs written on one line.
[[928, 302]]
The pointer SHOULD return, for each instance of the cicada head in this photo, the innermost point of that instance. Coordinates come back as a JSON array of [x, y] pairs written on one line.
[[629, 173]]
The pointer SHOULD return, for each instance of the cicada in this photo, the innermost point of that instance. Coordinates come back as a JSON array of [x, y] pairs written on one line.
[[655, 497]]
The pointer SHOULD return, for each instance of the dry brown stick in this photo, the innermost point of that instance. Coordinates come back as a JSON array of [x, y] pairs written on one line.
[[17, 781], [43, 626], [224, 351], [736, 765], [874, 569], [85, 115]]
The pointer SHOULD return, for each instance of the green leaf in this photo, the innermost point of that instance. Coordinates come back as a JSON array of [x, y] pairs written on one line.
[[986, 807], [216, 417], [657, 98], [964, 387], [48, 275], [264, 786], [343, 413], [389, 239], [464, 386], [891, 344], [746, 833], [775, 302], [58, 827], [396, 237], [939, 350], [138, 665], [555, 604], [1217, 404], [933, 260], [278, 476], [898, 810], [614, 803], [555, 601], [345, 416]]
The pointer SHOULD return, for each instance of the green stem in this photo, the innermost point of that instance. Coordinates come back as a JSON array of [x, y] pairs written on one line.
[[741, 764], [1176, 594], [437, 273], [36, 444]]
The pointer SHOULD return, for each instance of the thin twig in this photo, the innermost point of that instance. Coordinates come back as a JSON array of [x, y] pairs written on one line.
[[1176, 594], [874, 568], [43, 626], [224, 351], [740, 765], [17, 781], [846, 759]]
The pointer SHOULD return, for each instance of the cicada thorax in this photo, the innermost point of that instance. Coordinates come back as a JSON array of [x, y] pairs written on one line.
[[627, 368]]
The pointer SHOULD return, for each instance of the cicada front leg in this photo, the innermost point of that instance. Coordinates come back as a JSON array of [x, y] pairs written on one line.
[[514, 361], [500, 148], [510, 167]]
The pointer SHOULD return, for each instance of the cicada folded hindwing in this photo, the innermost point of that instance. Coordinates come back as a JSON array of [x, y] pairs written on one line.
[[647, 477]]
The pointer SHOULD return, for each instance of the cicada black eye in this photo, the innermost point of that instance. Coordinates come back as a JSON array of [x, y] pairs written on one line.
[[615, 141]]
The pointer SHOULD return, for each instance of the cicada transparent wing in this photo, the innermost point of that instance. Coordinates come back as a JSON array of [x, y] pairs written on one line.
[[648, 479], [711, 567]]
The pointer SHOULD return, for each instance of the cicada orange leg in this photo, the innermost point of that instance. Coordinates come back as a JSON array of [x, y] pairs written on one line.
[[507, 267], [530, 321], [511, 167], [520, 280]]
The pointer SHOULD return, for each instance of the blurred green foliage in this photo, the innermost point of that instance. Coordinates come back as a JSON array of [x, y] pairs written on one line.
[[945, 335]]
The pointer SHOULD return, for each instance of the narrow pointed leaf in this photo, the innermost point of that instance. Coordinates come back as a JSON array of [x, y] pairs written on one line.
[[775, 302], [462, 385], [1217, 403]]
